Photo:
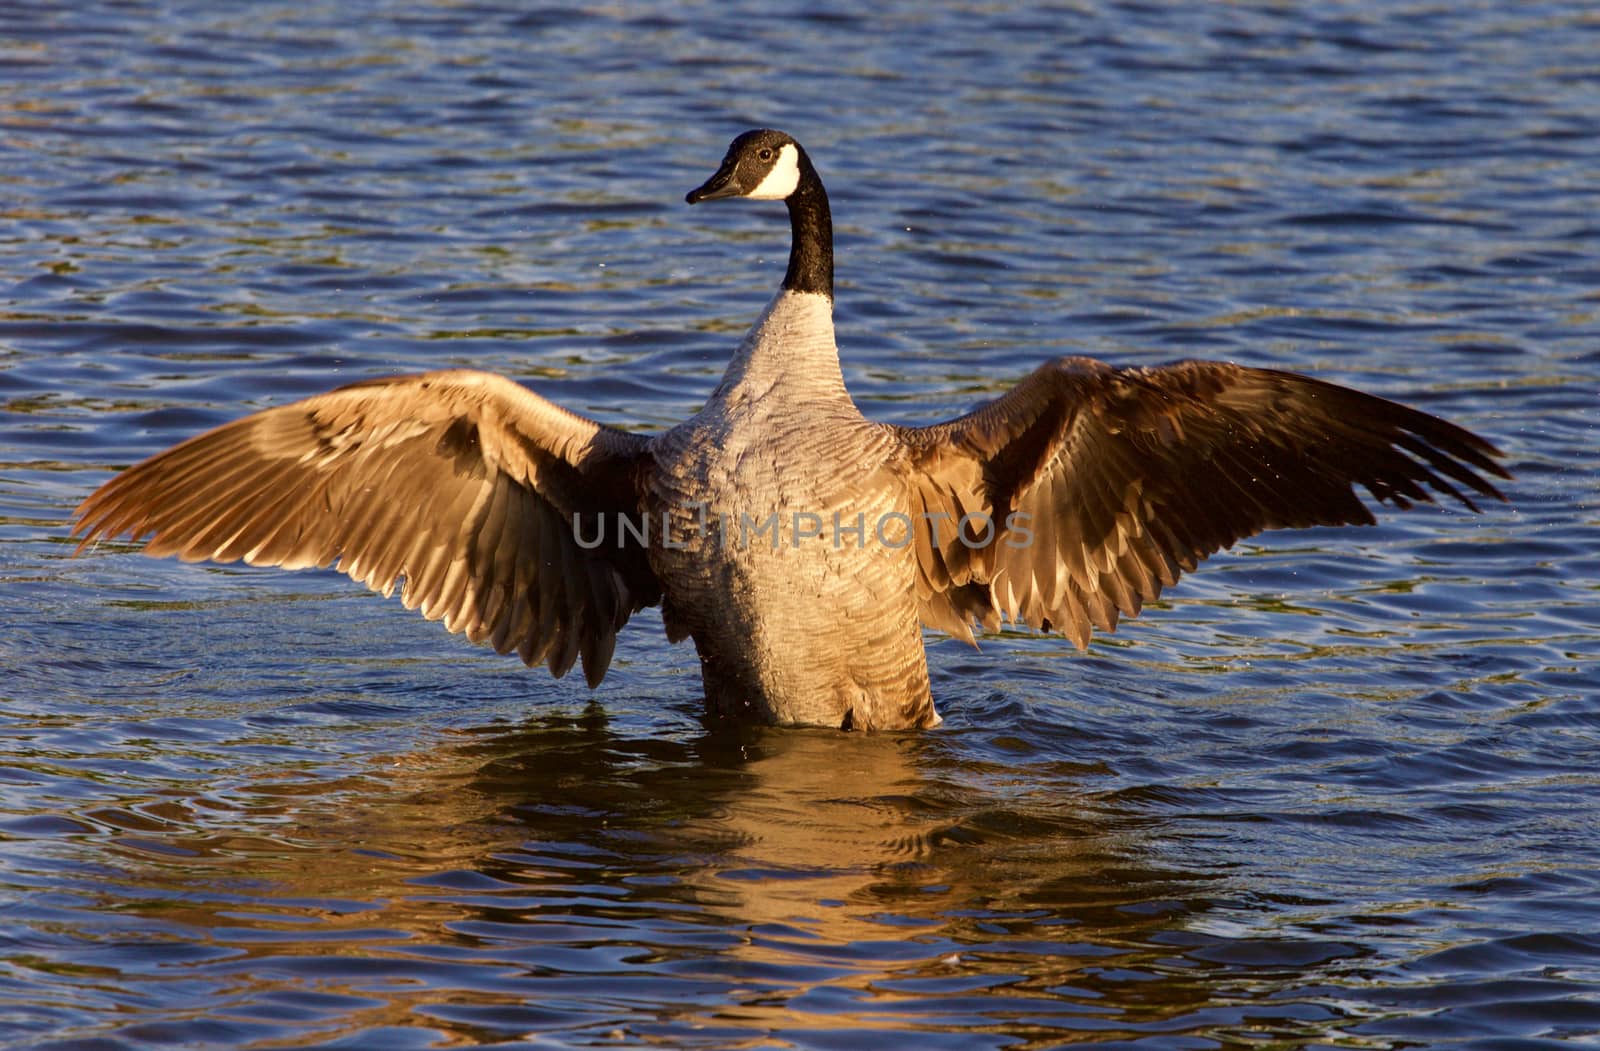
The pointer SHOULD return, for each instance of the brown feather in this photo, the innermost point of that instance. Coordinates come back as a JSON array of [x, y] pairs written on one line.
[[460, 484], [1130, 477]]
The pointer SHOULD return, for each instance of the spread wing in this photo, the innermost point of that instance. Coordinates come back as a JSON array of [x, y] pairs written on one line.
[[1104, 484], [462, 484]]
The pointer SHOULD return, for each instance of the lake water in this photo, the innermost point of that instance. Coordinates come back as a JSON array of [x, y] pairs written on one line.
[[1341, 788]]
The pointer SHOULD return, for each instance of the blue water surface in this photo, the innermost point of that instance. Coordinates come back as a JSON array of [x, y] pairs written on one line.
[[1340, 788]]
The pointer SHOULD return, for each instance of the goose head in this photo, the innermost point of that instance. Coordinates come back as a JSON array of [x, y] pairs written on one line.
[[768, 165], [764, 165]]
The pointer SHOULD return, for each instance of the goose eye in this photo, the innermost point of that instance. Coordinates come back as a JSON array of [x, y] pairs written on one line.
[[765, 153]]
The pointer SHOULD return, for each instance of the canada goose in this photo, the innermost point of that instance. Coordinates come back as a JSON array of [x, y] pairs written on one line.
[[800, 545]]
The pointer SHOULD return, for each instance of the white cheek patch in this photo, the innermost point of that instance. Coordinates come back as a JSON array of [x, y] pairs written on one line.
[[782, 179]]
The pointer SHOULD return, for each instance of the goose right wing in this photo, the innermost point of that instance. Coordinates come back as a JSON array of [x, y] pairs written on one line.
[[464, 485]]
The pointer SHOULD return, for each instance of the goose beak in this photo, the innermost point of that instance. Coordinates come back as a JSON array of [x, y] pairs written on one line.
[[722, 184]]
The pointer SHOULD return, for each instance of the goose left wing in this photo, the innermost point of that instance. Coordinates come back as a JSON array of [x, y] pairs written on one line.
[[464, 485], [1077, 496]]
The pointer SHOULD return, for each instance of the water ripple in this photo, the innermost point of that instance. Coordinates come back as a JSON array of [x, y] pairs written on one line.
[[1337, 789]]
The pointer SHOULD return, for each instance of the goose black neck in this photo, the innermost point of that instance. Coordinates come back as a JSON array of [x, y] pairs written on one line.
[[811, 235]]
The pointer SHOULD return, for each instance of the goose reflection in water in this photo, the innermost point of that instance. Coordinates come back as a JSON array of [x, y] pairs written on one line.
[[764, 864]]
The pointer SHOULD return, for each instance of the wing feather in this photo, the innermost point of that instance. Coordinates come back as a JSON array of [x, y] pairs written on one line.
[[458, 487], [1125, 479]]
